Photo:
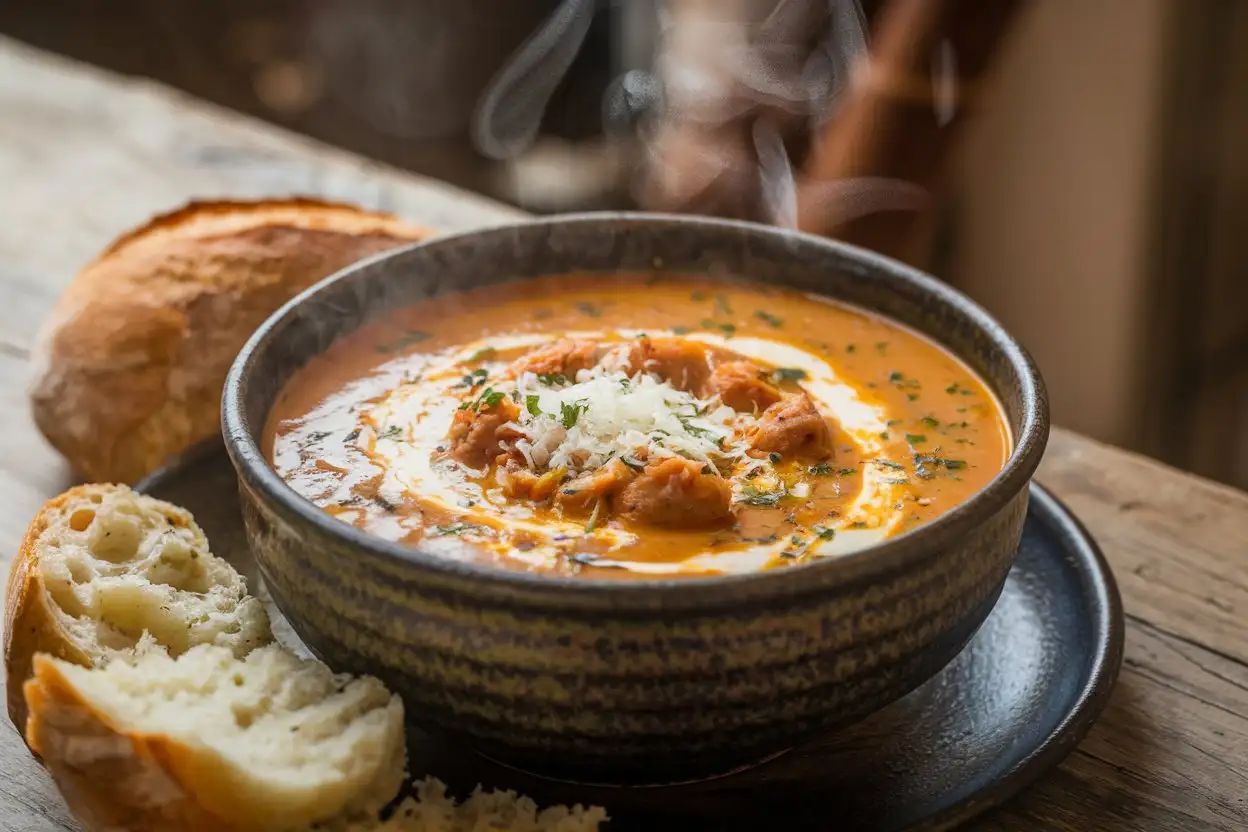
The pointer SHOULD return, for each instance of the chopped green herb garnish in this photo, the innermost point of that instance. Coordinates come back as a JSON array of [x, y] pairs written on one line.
[[952, 388], [887, 463], [845, 472], [884, 435], [895, 376], [753, 496], [894, 480], [915, 438], [392, 432], [383, 503], [407, 339], [351, 437], [587, 308], [570, 413], [633, 462], [764, 315], [531, 405], [453, 528], [930, 421], [912, 396], [552, 379], [823, 469], [921, 461], [850, 348], [892, 422], [474, 378], [593, 518], [488, 398], [483, 354], [318, 435], [728, 329], [790, 374], [823, 532]]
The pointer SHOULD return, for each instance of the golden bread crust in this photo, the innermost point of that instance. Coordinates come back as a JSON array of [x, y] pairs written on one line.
[[131, 363], [31, 624], [111, 781]]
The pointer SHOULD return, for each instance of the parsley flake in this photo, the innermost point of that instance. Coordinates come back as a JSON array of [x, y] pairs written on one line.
[[764, 315], [790, 374]]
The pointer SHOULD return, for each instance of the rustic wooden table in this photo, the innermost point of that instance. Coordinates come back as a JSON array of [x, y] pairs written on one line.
[[85, 155]]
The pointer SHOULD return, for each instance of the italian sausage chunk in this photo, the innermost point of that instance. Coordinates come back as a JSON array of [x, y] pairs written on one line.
[[791, 426], [740, 385], [676, 492], [581, 494], [565, 357], [477, 436], [686, 364]]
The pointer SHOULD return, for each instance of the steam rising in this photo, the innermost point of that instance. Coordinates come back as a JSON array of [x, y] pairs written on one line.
[[778, 186], [735, 87], [510, 112]]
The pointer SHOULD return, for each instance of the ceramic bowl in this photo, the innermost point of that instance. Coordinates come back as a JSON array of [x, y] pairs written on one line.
[[654, 681]]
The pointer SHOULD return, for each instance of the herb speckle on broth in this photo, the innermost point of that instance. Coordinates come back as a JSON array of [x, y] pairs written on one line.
[[408, 339], [771, 319], [529, 426]]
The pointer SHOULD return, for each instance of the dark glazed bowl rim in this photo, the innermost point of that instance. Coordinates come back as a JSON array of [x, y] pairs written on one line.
[[561, 592]]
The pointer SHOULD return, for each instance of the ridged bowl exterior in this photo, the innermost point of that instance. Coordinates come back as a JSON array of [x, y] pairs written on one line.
[[648, 680]]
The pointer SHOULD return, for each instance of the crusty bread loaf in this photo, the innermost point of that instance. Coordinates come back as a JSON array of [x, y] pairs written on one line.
[[207, 742], [105, 572], [131, 363]]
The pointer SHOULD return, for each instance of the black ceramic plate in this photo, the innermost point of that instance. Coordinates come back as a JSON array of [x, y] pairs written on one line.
[[1012, 705]]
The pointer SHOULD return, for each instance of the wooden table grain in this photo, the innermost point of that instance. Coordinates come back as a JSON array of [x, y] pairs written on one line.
[[85, 155]]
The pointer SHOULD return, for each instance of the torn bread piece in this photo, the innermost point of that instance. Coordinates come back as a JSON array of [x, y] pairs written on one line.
[[210, 743], [105, 572]]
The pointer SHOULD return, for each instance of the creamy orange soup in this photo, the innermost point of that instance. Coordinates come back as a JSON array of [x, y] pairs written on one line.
[[633, 426]]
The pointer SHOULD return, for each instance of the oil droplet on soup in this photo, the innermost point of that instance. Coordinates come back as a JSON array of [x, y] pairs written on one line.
[[631, 426]]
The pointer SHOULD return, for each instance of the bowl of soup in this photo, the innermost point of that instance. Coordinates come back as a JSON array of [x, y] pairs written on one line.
[[624, 496]]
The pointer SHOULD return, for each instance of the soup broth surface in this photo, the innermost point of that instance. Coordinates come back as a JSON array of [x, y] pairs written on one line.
[[633, 426]]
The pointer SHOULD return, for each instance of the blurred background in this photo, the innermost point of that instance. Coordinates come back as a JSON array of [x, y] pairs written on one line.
[[1095, 199]]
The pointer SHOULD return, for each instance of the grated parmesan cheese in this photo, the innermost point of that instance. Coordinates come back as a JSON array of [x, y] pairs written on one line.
[[607, 414]]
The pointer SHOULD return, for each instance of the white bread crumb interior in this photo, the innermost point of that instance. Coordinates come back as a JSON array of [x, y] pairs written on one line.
[[118, 564], [287, 740]]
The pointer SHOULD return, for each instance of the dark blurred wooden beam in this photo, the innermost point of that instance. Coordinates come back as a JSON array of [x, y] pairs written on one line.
[[899, 118]]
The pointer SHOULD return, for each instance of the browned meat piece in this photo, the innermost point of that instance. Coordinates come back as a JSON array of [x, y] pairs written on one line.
[[686, 364], [477, 436], [580, 495], [791, 426], [740, 385], [521, 482], [676, 492], [565, 357]]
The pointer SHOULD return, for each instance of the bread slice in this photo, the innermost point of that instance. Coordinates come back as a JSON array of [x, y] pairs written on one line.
[[131, 363], [106, 572], [210, 743]]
